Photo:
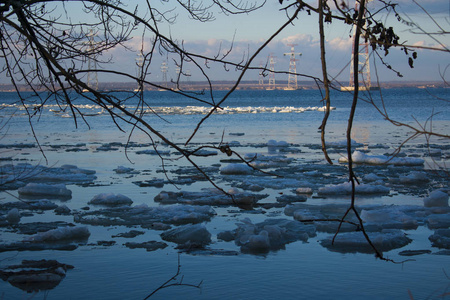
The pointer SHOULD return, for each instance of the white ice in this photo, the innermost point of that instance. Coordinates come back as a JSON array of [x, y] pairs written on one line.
[[436, 198], [362, 158], [42, 189], [346, 189], [110, 199], [196, 234], [352, 242], [60, 234], [236, 169]]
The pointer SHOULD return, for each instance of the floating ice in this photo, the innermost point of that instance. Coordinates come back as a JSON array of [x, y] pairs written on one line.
[[62, 210], [371, 177], [346, 189], [196, 234], [270, 235], [414, 177], [43, 204], [146, 216], [153, 152], [110, 199], [343, 144], [60, 234], [42, 189], [436, 198], [388, 217], [441, 238], [10, 174], [149, 246], [352, 242], [209, 197], [125, 170], [236, 169], [304, 190], [361, 158], [35, 275], [13, 216], [439, 220]]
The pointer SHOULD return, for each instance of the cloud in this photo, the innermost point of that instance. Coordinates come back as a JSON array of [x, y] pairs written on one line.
[[340, 44]]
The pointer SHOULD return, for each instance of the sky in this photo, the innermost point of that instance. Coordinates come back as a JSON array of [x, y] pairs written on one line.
[[245, 33], [250, 31]]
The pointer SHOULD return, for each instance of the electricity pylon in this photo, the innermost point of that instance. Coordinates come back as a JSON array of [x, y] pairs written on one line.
[[292, 79], [271, 85], [92, 78]]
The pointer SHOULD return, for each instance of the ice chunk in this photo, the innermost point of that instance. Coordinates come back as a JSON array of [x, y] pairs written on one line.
[[346, 189], [414, 177], [436, 198], [42, 189], [125, 170], [60, 234], [270, 235], [196, 234], [209, 197], [304, 190], [13, 216], [236, 169], [388, 217], [441, 238], [439, 221], [146, 216], [110, 199], [353, 242], [62, 210], [361, 158]]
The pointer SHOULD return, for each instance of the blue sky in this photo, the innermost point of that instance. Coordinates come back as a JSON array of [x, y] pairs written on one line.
[[249, 31]]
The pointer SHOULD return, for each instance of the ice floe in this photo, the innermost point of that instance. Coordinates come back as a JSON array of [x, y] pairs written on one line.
[[146, 216], [269, 235], [346, 189], [149, 246], [236, 169], [436, 199], [43, 189], [110, 199], [362, 158], [441, 238], [188, 235], [352, 242], [35, 275], [76, 233], [209, 197]]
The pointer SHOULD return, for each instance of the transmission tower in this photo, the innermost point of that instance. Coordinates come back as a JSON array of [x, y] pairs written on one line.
[[271, 85], [292, 79], [364, 81], [261, 74], [92, 78], [164, 69], [139, 64]]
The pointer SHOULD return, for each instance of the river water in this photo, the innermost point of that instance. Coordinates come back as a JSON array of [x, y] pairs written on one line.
[[248, 121]]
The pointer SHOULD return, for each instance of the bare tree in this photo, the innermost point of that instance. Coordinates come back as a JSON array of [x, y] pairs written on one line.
[[44, 48]]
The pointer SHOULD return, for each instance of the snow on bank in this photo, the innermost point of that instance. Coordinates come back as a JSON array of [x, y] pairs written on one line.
[[42, 189], [346, 189], [353, 242], [362, 158]]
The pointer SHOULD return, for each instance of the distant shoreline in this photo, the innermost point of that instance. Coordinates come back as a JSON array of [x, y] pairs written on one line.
[[227, 85]]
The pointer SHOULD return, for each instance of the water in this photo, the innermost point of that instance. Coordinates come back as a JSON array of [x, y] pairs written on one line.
[[301, 270]]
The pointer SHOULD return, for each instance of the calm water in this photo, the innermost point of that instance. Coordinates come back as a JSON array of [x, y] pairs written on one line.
[[301, 271]]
